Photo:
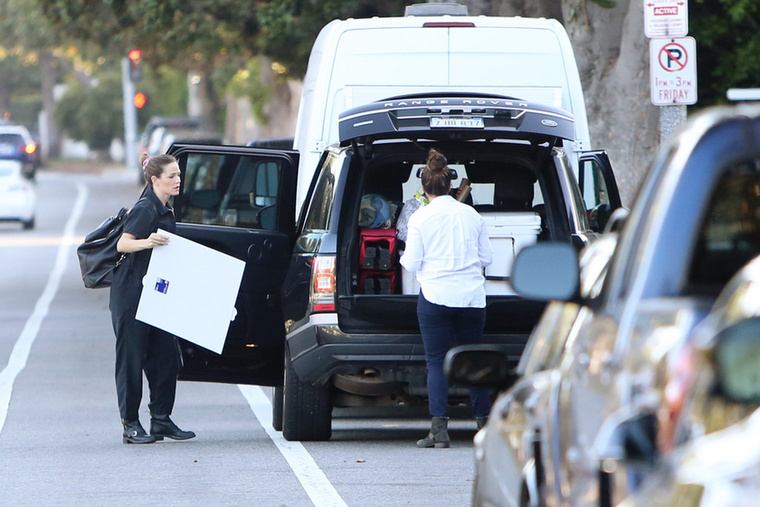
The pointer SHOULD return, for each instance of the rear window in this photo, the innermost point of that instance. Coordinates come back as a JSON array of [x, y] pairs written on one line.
[[14, 139]]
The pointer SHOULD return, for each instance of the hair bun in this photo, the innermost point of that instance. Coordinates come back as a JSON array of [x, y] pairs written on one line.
[[436, 161]]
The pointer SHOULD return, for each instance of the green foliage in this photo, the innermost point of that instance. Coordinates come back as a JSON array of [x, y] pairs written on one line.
[[25, 109], [728, 46], [93, 115], [607, 4], [247, 83]]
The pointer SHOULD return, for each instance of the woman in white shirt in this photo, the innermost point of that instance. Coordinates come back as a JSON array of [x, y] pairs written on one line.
[[447, 248]]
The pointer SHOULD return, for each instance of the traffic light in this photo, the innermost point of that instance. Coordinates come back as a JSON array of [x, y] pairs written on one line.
[[135, 65], [140, 100]]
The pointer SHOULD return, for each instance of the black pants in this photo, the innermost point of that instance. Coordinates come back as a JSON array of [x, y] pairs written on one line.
[[142, 348]]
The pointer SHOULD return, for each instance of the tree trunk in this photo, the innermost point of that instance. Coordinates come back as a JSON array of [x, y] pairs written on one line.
[[50, 138], [613, 58], [211, 105]]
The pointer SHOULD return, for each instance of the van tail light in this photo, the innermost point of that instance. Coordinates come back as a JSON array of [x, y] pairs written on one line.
[[322, 294], [30, 148]]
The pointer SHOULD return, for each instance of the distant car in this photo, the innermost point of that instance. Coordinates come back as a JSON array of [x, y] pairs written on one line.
[[703, 440], [164, 137], [150, 141], [17, 194], [16, 143]]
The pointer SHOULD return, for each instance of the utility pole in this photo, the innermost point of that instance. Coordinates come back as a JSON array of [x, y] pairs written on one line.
[[130, 115]]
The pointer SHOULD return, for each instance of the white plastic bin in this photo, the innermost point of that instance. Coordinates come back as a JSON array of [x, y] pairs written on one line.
[[509, 233]]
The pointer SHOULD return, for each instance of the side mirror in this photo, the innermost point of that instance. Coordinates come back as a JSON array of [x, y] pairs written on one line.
[[546, 272], [737, 362], [479, 366]]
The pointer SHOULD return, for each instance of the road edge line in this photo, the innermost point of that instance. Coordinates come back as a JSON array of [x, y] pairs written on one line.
[[318, 487], [23, 346]]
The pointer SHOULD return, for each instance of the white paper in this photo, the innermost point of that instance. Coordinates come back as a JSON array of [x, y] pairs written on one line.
[[190, 291]]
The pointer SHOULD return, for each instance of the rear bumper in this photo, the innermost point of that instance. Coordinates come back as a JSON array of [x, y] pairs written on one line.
[[318, 349]]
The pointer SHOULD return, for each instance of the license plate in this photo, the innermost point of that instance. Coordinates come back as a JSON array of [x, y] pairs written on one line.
[[456, 123]]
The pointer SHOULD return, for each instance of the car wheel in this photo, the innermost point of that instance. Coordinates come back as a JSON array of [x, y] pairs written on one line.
[[277, 396], [28, 224], [307, 410]]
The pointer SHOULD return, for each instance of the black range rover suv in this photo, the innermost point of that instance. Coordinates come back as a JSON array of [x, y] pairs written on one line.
[[326, 314]]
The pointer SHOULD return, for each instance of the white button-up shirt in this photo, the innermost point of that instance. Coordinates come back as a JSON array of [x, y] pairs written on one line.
[[447, 248]]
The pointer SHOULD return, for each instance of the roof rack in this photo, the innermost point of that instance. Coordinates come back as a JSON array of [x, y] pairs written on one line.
[[450, 116]]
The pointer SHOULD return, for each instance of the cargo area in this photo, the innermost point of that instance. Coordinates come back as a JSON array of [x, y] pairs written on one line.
[[383, 295]]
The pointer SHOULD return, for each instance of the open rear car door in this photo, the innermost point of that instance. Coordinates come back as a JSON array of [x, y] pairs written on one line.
[[241, 201]]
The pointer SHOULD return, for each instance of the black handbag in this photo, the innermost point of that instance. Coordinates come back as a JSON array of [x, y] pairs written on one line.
[[98, 256]]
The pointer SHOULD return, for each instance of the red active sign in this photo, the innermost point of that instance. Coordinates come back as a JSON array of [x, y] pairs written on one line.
[[666, 18], [673, 71]]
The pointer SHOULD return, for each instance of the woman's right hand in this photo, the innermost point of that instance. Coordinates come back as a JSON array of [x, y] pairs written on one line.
[[128, 243], [156, 239]]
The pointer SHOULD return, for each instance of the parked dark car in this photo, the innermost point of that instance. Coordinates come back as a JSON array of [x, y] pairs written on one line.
[[342, 322], [693, 226]]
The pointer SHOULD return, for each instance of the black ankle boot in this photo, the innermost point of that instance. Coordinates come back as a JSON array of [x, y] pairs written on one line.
[[438, 436], [134, 433], [161, 426]]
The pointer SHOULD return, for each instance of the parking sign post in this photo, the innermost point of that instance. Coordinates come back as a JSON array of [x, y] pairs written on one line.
[[672, 61]]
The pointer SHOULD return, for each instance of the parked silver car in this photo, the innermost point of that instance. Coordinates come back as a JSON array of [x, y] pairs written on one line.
[[694, 225], [705, 443], [508, 455]]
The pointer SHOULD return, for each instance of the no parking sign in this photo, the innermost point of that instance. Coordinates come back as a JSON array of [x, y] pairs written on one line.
[[673, 71]]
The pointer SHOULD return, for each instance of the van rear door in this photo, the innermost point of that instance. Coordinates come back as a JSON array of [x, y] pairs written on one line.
[[241, 201]]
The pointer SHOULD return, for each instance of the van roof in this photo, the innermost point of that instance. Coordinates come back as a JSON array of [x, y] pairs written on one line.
[[468, 116]]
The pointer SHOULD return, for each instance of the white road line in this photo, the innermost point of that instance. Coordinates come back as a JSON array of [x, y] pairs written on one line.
[[20, 352], [312, 478]]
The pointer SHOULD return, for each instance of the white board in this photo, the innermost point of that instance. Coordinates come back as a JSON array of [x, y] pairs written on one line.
[[190, 291]]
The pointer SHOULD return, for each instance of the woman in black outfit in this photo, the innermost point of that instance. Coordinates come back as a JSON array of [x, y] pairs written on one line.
[[139, 346]]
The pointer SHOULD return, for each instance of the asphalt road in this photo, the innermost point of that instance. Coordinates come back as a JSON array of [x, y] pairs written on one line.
[[60, 435]]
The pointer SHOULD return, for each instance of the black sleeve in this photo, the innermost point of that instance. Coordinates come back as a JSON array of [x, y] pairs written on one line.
[[140, 221]]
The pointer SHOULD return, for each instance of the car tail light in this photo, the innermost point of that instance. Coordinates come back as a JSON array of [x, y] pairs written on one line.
[[322, 294], [30, 148]]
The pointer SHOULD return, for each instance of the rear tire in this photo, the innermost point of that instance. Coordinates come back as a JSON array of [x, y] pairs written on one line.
[[277, 408], [29, 224], [307, 410]]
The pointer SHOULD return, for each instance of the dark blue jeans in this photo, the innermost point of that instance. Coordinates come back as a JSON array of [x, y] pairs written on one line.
[[443, 327]]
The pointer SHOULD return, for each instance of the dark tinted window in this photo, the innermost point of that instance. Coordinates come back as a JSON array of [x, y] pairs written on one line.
[[320, 209], [232, 190], [730, 232]]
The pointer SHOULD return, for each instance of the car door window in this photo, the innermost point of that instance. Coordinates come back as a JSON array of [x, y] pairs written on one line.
[[596, 194], [593, 184], [318, 216], [730, 232], [230, 190]]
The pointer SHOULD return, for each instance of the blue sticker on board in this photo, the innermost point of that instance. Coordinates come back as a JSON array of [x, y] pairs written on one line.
[[162, 285]]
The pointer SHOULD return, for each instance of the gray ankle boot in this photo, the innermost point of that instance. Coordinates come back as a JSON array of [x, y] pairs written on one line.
[[438, 436], [481, 421]]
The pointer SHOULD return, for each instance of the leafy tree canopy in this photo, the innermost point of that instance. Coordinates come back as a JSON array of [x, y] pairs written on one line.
[[185, 33], [728, 46]]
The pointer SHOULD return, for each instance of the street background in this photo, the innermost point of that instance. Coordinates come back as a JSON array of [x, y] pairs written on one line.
[[61, 439]]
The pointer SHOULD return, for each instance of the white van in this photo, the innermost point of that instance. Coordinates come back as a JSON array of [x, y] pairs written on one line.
[[358, 61]]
